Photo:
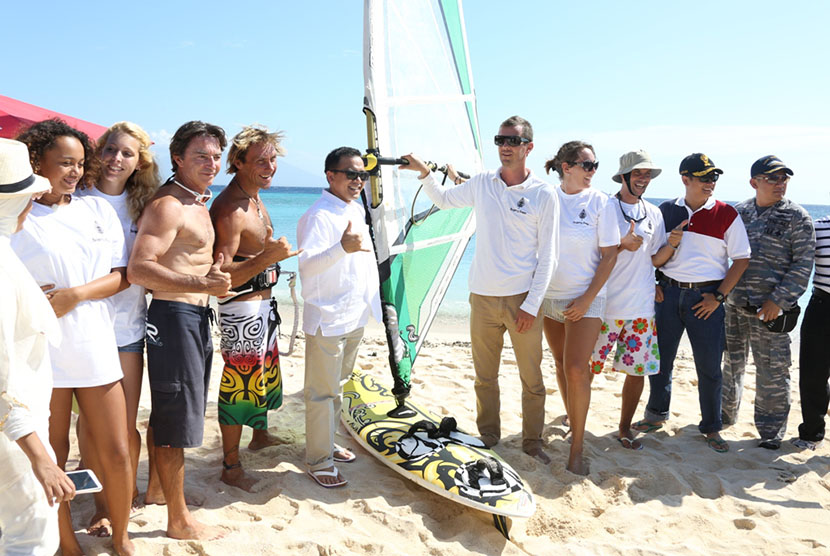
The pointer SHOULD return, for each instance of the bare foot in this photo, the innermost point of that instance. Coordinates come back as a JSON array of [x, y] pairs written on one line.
[[158, 499], [577, 465], [194, 530], [263, 439], [71, 548], [236, 476], [99, 525], [538, 454], [137, 503], [124, 548]]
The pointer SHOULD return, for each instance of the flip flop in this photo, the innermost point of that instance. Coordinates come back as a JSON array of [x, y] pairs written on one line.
[[629, 444], [348, 456], [321, 473], [646, 427], [717, 444]]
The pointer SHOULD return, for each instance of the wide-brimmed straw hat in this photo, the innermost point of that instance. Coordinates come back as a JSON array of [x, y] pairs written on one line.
[[633, 161], [16, 175]]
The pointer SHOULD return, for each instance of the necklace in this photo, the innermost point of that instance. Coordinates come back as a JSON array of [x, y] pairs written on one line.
[[255, 201], [201, 198]]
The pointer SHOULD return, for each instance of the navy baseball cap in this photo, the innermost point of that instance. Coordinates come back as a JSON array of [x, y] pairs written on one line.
[[698, 164], [767, 165]]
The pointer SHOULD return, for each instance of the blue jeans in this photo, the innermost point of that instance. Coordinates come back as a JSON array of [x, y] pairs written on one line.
[[674, 315]]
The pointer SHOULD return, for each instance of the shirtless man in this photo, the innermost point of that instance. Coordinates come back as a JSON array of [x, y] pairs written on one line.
[[251, 382], [173, 258]]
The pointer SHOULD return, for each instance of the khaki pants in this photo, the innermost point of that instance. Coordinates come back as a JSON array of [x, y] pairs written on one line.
[[328, 365], [490, 317]]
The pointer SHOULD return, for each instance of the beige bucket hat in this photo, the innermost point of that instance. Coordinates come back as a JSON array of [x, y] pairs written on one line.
[[634, 160], [16, 175]]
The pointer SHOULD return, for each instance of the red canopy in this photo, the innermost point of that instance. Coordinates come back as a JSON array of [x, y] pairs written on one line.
[[15, 115]]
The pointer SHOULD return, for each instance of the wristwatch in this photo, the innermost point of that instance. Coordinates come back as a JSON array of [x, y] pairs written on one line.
[[719, 297]]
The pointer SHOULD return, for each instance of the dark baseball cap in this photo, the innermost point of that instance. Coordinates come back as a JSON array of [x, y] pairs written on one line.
[[767, 165], [698, 164]]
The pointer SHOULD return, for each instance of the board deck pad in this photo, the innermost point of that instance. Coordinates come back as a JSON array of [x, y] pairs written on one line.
[[442, 465]]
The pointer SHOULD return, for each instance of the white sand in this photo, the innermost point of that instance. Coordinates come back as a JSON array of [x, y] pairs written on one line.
[[674, 497]]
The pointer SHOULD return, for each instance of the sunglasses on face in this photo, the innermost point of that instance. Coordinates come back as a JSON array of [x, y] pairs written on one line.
[[587, 165], [709, 178], [512, 140], [775, 179], [352, 175]]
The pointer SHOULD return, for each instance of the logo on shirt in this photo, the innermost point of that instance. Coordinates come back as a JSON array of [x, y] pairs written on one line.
[[99, 232], [583, 214], [520, 206]]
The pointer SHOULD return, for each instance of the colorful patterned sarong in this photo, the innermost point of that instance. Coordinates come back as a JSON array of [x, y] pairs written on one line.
[[251, 380]]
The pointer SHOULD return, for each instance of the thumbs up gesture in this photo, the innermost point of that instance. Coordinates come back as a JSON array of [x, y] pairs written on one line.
[[216, 281], [352, 241], [676, 235], [631, 241]]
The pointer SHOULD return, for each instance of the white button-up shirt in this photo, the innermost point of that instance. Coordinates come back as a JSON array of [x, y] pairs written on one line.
[[340, 290]]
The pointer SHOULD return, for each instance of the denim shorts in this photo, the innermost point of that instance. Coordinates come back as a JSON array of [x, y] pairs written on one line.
[[555, 309], [135, 347]]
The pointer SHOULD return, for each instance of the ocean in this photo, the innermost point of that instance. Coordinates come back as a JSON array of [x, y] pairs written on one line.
[[287, 204]]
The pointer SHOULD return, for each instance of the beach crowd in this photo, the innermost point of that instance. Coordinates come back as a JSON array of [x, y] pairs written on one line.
[[88, 230]]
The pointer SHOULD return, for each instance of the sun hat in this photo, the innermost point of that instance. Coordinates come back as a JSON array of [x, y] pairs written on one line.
[[633, 161], [767, 165], [698, 164], [16, 175]]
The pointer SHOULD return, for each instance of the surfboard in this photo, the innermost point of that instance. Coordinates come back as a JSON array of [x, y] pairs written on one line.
[[447, 465]]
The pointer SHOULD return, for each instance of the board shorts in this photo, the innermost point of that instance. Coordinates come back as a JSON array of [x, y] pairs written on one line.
[[554, 308], [179, 356], [251, 380], [636, 342]]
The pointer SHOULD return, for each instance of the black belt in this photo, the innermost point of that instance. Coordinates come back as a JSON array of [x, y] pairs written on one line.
[[690, 285]]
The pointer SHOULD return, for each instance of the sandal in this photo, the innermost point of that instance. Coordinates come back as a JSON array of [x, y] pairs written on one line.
[[323, 473], [629, 443], [347, 456], [717, 444], [646, 426]]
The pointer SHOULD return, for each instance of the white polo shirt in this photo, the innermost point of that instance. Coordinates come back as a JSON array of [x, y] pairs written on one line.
[[587, 223], [715, 233], [517, 231], [340, 290]]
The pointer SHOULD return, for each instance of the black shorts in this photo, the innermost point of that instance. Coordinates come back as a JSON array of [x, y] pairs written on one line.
[[179, 356]]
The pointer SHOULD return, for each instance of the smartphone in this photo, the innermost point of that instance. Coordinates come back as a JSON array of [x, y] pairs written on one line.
[[85, 481]]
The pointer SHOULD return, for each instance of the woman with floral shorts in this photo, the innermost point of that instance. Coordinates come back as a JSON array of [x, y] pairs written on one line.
[[628, 326]]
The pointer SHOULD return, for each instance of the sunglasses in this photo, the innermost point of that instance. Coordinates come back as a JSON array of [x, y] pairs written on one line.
[[587, 165], [512, 140], [775, 179], [709, 178], [353, 174]]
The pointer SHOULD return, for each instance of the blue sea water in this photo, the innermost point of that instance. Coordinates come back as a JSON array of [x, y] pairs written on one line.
[[287, 204]]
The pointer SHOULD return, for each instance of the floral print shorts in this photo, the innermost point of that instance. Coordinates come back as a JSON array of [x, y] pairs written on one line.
[[636, 347]]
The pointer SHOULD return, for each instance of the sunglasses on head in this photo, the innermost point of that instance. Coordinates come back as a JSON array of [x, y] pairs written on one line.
[[353, 174], [709, 178], [587, 165], [775, 179], [512, 140]]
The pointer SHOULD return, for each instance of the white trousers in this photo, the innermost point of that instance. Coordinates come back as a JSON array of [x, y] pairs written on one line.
[[328, 365], [28, 525]]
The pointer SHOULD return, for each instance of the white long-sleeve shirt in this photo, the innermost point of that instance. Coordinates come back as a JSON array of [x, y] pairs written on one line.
[[517, 233], [340, 290], [27, 323]]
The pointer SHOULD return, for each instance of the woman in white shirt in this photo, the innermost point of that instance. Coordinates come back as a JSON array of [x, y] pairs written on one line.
[[574, 302], [74, 248], [126, 176]]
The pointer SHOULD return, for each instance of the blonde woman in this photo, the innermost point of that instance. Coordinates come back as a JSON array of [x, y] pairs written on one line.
[[126, 176]]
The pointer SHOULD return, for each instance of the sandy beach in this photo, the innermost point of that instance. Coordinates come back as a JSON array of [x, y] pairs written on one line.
[[676, 496]]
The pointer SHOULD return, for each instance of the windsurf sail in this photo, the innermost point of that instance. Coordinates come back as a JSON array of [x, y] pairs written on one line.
[[419, 98]]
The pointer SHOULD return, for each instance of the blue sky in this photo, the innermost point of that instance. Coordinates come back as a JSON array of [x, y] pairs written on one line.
[[736, 80]]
